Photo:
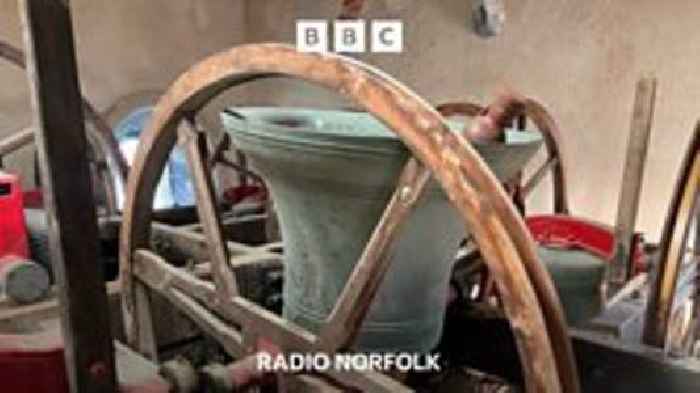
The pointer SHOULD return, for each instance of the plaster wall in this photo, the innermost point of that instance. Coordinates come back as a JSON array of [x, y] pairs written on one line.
[[122, 47], [581, 58]]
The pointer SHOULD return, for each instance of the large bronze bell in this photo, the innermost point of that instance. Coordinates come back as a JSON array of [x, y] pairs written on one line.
[[331, 173]]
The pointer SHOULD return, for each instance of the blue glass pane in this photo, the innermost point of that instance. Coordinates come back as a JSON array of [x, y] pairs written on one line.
[[133, 123], [179, 183]]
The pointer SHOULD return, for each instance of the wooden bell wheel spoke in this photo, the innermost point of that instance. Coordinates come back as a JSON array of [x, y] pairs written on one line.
[[346, 318], [678, 248], [111, 167], [218, 157], [195, 144], [241, 326], [554, 163]]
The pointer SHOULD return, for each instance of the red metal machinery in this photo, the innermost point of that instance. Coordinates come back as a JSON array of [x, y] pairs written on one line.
[[13, 233], [27, 363], [23, 369], [32, 363], [571, 232], [35, 363], [20, 279], [558, 229]]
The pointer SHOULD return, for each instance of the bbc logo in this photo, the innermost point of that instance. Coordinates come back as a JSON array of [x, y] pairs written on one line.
[[350, 36]]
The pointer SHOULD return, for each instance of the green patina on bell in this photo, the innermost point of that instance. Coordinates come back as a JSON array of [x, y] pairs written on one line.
[[331, 174], [578, 276]]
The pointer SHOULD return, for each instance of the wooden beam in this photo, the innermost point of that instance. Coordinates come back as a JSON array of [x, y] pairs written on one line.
[[538, 176], [192, 244], [16, 141], [72, 220], [195, 145], [164, 278], [10, 312], [628, 204]]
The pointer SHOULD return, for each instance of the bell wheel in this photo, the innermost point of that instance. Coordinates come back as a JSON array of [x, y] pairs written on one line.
[[671, 324], [210, 293]]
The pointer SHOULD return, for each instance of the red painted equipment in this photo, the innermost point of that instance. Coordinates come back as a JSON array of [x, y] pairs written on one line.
[[20, 279], [570, 232], [32, 363], [33, 199], [35, 363], [13, 233]]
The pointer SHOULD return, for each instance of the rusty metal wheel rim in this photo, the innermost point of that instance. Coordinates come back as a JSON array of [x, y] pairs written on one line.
[[498, 230], [683, 210], [549, 128], [99, 135]]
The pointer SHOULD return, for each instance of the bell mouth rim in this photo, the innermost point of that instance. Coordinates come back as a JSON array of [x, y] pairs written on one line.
[[337, 130]]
